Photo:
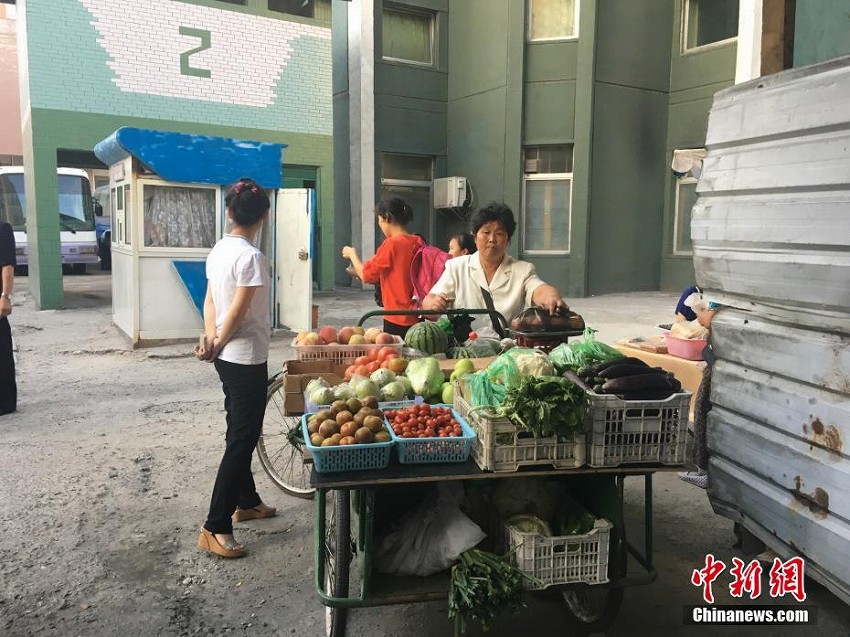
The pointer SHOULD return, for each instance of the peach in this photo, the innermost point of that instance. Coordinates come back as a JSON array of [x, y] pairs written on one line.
[[384, 338], [311, 338], [359, 330], [372, 334], [328, 334], [357, 339], [345, 334]]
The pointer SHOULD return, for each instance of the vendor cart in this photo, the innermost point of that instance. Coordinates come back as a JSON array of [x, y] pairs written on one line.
[[345, 523]]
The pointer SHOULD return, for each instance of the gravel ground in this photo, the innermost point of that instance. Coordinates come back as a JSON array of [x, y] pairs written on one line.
[[106, 473]]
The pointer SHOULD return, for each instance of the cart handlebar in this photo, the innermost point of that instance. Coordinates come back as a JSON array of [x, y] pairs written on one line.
[[421, 312]]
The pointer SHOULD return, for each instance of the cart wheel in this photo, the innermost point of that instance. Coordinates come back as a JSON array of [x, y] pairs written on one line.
[[337, 561], [592, 609], [280, 444]]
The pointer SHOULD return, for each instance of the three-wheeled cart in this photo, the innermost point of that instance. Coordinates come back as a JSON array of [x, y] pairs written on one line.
[[345, 507]]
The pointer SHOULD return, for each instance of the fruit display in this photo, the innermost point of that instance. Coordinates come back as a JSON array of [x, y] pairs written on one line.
[[348, 335], [350, 422], [424, 421], [385, 357]]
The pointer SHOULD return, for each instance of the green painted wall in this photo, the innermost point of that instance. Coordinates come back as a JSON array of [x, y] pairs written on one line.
[[694, 79], [632, 79], [180, 66], [821, 30], [341, 144]]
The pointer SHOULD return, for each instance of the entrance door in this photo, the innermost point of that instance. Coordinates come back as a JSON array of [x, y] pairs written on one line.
[[294, 258]]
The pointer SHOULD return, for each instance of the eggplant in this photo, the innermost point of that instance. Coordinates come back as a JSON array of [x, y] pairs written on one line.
[[616, 371], [623, 360], [642, 382]]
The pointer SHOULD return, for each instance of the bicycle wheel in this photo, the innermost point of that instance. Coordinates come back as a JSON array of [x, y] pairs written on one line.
[[280, 444], [337, 561]]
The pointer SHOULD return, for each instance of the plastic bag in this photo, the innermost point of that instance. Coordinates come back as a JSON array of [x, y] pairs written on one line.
[[584, 353], [430, 538]]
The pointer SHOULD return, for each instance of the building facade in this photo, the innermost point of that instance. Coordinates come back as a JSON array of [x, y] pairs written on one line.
[[244, 69], [569, 111]]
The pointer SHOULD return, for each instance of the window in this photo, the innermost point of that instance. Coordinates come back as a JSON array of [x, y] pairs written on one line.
[[406, 167], [179, 217], [708, 21], [316, 9], [552, 19], [546, 199], [686, 197], [407, 36]]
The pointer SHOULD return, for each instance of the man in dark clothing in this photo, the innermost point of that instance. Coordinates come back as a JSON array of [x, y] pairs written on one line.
[[8, 387]]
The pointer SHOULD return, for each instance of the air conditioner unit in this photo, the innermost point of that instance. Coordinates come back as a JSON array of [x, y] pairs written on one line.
[[449, 192]]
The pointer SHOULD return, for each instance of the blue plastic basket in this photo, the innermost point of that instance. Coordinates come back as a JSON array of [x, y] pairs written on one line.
[[374, 455], [433, 450]]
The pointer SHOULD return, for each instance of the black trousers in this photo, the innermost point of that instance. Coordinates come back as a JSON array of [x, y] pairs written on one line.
[[245, 405], [395, 328], [8, 387]]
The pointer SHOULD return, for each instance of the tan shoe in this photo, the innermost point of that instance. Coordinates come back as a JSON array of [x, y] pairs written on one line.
[[259, 512], [209, 542]]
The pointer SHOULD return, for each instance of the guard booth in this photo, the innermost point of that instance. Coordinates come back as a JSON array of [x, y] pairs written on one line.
[[167, 199]]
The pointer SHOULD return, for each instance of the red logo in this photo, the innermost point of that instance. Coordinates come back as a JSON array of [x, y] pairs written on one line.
[[785, 578]]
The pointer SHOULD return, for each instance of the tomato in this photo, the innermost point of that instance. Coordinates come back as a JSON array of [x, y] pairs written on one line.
[[372, 366], [391, 355], [373, 354], [362, 370], [384, 352]]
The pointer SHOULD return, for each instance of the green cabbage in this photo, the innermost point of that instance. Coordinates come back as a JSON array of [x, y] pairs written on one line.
[[425, 376]]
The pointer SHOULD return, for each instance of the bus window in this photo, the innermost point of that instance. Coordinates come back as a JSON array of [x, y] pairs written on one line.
[[13, 204]]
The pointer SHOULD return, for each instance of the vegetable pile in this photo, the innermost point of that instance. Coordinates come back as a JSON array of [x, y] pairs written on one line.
[[546, 405], [630, 379], [483, 586]]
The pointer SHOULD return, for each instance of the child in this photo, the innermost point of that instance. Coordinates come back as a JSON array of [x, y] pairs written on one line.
[[391, 264], [236, 341], [461, 244]]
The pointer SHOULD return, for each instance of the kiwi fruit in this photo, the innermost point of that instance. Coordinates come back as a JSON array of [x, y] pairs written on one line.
[[354, 405], [371, 402]]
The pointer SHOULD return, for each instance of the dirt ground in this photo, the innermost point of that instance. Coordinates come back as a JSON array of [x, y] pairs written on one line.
[[105, 477]]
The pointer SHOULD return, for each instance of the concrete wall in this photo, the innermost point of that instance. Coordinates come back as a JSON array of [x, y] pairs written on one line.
[[631, 83], [694, 78], [239, 71]]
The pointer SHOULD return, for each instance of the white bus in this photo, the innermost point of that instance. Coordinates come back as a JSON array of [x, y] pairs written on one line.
[[76, 215]]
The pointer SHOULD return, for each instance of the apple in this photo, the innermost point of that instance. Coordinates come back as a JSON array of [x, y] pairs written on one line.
[[358, 329], [328, 334], [357, 339], [311, 338], [300, 336], [345, 334], [372, 334], [384, 338]]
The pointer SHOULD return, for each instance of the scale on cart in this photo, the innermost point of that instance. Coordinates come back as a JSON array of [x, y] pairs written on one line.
[[167, 194]]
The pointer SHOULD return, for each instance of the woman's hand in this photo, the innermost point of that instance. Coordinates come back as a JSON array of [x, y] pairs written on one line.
[[348, 252], [436, 302], [548, 297], [704, 318]]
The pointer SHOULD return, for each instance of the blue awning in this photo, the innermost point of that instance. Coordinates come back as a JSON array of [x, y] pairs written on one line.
[[203, 159]]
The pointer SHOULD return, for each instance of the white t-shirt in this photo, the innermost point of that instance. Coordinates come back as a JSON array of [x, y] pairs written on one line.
[[236, 262], [511, 287]]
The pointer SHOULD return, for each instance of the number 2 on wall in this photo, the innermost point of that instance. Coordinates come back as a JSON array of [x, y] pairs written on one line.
[[205, 38]]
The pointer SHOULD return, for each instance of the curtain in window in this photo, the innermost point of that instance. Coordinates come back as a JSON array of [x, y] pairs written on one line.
[[178, 217], [551, 19], [406, 36], [547, 215]]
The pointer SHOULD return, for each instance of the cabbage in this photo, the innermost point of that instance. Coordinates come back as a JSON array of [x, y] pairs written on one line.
[[382, 376], [425, 376], [531, 362], [393, 391], [530, 496], [366, 388], [530, 524], [316, 383], [343, 391], [404, 381], [321, 395]]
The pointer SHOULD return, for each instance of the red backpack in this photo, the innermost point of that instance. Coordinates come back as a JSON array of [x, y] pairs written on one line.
[[427, 266]]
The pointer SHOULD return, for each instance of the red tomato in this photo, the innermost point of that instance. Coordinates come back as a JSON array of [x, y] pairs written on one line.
[[373, 354], [362, 360], [372, 366], [362, 370]]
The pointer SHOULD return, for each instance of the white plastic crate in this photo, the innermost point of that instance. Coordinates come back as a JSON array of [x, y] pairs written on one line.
[[499, 447], [563, 559], [637, 431], [342, 354]]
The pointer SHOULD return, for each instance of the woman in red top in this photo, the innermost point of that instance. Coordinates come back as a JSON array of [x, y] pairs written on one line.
[[391, 264]]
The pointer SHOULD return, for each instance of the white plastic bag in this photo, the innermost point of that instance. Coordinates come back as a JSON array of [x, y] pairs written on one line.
[[430, 538]]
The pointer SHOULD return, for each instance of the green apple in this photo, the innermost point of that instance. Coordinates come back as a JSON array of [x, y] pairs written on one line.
[[464, 366], [448, 394]]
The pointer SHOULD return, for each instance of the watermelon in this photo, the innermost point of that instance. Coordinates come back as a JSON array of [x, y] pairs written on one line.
[[461, 352], [427, 337]]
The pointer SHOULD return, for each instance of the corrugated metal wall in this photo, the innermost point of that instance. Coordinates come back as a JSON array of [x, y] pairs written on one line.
[[771, 232]]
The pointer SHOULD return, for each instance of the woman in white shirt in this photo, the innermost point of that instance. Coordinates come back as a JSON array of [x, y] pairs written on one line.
[[236, 341], [512, 284]]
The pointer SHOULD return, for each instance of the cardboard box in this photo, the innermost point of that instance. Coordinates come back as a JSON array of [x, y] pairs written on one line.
[[297, 374], [448, 364]]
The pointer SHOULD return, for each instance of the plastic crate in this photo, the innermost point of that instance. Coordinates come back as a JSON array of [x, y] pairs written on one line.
[[563, 559], [434, 450], [499, 447], [375, 455], [637, 431], [341, 354]]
